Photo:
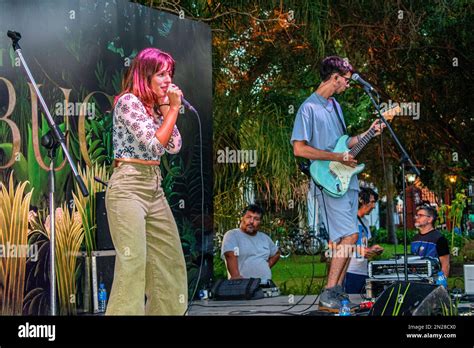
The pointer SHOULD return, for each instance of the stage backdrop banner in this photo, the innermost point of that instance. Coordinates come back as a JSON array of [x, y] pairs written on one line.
[[78, 52]]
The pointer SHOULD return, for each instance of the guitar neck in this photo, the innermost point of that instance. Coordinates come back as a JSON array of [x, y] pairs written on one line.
[[362, 142]]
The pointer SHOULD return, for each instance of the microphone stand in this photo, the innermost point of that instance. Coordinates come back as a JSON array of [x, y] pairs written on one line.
[[404, 161], [51, 141]]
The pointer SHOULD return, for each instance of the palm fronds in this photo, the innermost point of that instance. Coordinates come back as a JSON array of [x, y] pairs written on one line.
[[69, 234], [14, 208]]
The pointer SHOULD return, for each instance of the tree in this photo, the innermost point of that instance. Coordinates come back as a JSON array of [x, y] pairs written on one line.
[[266, 55]]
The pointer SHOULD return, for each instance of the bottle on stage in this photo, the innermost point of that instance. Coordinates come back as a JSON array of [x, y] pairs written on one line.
[[344, 311], [441, 280], [102, 298]]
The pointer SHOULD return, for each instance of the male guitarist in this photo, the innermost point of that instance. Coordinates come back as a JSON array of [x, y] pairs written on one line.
[[319, 123]]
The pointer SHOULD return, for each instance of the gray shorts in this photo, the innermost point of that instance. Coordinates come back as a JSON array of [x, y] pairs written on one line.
[[341, 214]]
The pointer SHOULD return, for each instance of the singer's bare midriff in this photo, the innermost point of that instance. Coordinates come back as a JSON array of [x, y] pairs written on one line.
[[119, 161]]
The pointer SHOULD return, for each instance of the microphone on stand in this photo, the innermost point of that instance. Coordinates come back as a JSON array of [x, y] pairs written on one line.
[[185, 103], [356, 77]]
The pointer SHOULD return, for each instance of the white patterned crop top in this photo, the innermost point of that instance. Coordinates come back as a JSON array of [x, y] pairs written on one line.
[[134, 132]]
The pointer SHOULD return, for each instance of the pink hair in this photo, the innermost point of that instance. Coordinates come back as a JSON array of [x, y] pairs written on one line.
[[138, 78]]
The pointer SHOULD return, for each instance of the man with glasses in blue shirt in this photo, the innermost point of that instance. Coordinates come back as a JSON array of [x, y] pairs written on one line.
[[429, 242]]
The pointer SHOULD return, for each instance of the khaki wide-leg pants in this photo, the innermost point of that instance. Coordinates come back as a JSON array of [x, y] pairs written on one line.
[[150, 260]]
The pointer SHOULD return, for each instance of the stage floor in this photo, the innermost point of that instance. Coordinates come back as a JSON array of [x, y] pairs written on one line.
[[280, 305]]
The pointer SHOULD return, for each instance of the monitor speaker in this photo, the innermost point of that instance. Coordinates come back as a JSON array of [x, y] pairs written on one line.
[[412, 299]]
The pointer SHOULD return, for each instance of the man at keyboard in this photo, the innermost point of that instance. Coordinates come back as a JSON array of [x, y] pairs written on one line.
[[249, 253]]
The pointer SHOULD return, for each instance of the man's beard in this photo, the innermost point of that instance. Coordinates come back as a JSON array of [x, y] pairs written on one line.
[[418, 225], [250, 229]]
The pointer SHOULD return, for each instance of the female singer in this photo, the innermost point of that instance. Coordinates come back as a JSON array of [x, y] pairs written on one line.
[[150, 272]]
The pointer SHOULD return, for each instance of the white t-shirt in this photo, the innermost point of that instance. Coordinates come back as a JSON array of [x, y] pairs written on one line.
[[252, 253], [359, 264]]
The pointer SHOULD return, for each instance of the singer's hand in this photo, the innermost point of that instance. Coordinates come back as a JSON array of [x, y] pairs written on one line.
[[174, 95]]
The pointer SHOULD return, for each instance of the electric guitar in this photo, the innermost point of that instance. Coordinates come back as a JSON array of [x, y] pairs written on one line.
[[334, 176]]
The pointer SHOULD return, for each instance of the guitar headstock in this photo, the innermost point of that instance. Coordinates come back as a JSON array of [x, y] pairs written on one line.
[[392, 112]]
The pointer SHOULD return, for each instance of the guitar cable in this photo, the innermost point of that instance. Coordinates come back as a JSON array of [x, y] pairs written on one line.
[[313, 260], [201, 263], [313, 268], [326, 263], [329, 234]]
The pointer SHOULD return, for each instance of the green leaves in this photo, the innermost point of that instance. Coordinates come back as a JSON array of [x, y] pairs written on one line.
[[98, 131], [28, 168], [20, 167], [118, 50]]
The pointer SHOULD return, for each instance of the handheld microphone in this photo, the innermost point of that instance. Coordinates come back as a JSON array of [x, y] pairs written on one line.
[[356, 77], [184, 102], [14, 35], [187, 105]]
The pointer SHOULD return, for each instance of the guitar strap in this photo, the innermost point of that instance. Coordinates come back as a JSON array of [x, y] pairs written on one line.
[[344, 129], [363, 226]]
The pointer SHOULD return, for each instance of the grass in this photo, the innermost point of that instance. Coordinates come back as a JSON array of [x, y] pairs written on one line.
[[293, 275]]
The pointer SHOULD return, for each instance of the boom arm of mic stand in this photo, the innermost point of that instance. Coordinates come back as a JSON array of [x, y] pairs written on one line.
[[58, 135], [405, 157]]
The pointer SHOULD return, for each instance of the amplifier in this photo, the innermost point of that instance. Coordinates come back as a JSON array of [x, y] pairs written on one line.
[[469, 279], [270, 289], [418, 268], [271, 292]]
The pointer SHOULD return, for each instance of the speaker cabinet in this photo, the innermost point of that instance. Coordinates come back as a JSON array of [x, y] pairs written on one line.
[[412, 299], [375, 287], [469, 279], [103, 239]]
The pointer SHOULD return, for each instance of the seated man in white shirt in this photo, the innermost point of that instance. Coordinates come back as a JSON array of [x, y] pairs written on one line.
[[247, 252]]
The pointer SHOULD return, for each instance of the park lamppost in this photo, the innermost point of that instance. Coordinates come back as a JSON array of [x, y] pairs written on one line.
[[411, 177], [452, 178], [413, 196]]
